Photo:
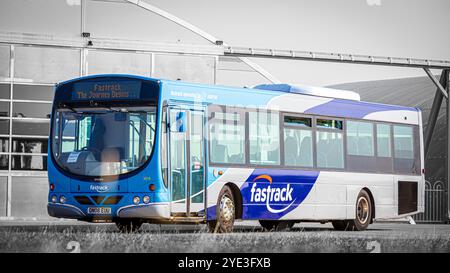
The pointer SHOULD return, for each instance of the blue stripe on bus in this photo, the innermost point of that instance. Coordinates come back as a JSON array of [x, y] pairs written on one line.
[[353, 109]]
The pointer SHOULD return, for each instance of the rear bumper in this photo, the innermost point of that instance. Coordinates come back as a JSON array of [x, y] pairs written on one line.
[[64, 211]]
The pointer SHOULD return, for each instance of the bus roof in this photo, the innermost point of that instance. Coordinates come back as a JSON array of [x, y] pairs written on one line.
[[296, 98], [311, 90]]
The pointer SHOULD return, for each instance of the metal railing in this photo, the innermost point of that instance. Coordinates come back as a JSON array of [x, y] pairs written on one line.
[[435, 204]]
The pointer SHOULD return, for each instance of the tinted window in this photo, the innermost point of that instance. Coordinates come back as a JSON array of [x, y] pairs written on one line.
[[4, 127], [4, 161], [26, 127], [297, 121], [330, 150], [33, 92], [29, 162], [329, 124], [403, 142], [4, 109], [383, 140], [264, 138], [4, 144], [5, 90], [227, 138], [298, 148], [360, 138], [29, 145], [35, 110]]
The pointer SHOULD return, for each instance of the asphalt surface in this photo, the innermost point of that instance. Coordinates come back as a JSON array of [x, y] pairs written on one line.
[[248, 237], [375, 229]]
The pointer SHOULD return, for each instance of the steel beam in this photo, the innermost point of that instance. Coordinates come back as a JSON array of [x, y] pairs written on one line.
[[205, 35], [434, 112], [436, 82], [335, 57]]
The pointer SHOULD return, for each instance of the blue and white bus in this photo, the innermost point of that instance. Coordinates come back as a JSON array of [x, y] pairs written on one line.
[[132, 150]]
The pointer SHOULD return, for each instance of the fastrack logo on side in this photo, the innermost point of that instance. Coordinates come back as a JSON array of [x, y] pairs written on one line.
[[271, 194]]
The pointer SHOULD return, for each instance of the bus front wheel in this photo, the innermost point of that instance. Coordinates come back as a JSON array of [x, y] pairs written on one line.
[[128, 225], [225, 212]]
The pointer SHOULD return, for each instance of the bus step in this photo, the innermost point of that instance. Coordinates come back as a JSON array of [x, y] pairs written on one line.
[[186, 219]]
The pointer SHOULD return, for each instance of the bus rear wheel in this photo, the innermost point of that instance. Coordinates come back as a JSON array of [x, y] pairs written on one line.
[[128, 225], [225, 211], [363, 214], [273, 225]]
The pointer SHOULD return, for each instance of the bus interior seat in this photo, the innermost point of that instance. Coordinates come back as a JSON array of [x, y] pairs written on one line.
[[335, 153], [291, 151], [236, 158], [305, 154]]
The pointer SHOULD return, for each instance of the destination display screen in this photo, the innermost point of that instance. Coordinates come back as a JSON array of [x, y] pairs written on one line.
[[106, 90]]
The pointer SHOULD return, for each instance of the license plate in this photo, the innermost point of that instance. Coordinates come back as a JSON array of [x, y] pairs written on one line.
[[99, 210]]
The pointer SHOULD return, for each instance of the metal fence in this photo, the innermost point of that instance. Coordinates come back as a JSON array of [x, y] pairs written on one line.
[[435, 203]]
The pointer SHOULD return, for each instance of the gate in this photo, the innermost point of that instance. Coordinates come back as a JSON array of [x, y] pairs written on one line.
[[435, 204]]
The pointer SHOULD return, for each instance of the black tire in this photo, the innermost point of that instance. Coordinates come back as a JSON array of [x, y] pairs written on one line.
[[273, 225], [128, 225], [364, 212], [225, 212], [340, 224]]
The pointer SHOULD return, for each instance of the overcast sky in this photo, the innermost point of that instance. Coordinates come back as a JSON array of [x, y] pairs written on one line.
[[403, 28]]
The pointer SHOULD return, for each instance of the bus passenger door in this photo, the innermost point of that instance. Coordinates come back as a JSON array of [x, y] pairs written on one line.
[[187, 162]]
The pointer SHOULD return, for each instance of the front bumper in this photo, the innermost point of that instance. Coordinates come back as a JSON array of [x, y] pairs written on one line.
[[148, 211], [64, 211]]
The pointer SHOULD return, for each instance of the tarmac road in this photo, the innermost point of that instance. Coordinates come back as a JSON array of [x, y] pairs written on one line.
[[378, 229], [53, 236]]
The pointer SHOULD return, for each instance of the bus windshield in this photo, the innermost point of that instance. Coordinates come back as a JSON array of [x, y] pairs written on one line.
[[103, 141]]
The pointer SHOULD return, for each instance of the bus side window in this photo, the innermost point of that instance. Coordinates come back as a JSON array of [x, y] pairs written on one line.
[[404, 149], [298, 145], [330, 144], [227, 137], [383, 140], [360, 141], [264, 138]]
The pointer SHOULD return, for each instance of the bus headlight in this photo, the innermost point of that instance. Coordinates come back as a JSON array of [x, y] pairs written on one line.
[[54, 199], [146, 199], [136, 200], [62, 199]]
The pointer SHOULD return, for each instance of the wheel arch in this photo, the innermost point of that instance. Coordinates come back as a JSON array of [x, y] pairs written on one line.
[[372, 202]]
